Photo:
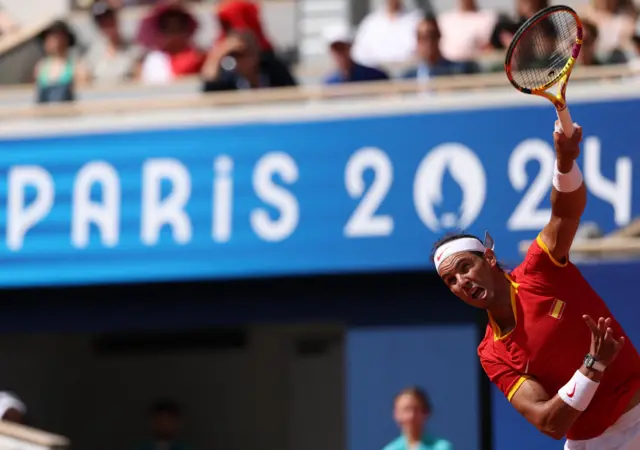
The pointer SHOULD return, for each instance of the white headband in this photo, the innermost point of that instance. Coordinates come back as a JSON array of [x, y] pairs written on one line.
[[465, 244]]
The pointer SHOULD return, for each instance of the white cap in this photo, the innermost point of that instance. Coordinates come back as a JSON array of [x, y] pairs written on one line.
[[10, 401], [338, 32]]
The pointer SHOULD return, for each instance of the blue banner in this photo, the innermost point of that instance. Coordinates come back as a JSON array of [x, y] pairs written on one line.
[[263, 199]]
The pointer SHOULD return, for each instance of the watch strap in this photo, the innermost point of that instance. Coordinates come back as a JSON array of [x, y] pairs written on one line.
[[598, 366], [590, 362]]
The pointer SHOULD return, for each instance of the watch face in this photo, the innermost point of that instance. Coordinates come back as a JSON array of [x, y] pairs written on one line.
[[588, 361]]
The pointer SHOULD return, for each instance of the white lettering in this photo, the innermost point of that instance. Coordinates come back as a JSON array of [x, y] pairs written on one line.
[[22, 218], [618, 192], [106, 214], [364, 222], [222, 199], [527, 215], [275, 230], [170, 211]]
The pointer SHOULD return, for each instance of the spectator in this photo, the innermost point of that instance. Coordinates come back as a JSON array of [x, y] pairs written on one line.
[[169, 32], [587, 55], [7, 24], [634, 59], [466, 31], [412, 410], [339, 39], [58, 72], [242, 15], [506, 27], [615, 21], [386, 36], [245, 15], [166, 422], [12, 409], [110, 58], [235, 64], [432, 63]]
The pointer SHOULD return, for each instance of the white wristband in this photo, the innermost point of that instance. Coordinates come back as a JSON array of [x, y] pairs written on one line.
[[579, 391], [567, 182]]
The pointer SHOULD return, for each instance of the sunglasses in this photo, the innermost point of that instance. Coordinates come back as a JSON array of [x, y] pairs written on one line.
[[428, 36]]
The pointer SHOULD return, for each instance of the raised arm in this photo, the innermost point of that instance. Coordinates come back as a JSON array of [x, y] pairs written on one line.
[[568, 197], [555, 415]]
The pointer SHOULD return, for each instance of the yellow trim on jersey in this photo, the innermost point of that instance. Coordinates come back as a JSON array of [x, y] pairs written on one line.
[[515, 387], [497, 334], [544, 247], [557, 308]]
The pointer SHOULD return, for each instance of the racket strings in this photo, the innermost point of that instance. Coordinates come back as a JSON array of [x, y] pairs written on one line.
[[543, 50]]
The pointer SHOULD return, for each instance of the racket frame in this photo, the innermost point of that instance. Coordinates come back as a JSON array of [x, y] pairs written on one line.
[[562, 80]]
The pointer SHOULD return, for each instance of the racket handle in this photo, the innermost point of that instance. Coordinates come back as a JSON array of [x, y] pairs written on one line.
[[565, 121]]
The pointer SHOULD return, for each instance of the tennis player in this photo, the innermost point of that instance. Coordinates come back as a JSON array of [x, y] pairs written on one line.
[[537, 348]]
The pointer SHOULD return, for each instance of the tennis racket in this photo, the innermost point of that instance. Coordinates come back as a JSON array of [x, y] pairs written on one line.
[[542, 54]]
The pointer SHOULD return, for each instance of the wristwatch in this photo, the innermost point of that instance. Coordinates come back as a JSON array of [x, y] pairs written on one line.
[[590, 362]]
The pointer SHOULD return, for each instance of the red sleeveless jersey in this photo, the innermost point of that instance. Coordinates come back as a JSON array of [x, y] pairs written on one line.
[[550, 340]]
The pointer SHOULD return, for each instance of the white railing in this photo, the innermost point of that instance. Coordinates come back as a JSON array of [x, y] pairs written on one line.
[[117, 103], [19, 437]]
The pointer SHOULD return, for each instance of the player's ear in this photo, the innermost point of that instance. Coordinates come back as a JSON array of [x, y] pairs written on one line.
[[490, 258]]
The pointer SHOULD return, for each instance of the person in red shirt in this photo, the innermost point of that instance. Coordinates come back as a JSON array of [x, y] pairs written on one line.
[[536, 347]]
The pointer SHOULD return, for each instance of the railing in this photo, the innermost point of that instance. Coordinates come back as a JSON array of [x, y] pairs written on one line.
[[154, 100], [19, 437], [622, 243]]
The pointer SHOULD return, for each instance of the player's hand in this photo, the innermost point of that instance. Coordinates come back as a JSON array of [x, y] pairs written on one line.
[[604, 347], [567, 149]]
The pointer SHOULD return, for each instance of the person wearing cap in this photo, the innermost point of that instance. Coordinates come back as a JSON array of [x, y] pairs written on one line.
[[12, 409], [241, 15], [59, 72], [236, 64], [339, 39], [168, 33], [110, 57], [551, 345]]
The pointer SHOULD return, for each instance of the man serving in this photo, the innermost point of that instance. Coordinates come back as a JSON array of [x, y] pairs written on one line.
[[536, 348]]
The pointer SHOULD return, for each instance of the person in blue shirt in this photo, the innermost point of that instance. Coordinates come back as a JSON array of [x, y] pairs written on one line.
[[431, 62], [339, 38], [411, 411]]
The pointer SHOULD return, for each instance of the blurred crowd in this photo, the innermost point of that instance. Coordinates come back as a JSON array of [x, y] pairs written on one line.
[[411, 411], [461, 40], [424, 43]]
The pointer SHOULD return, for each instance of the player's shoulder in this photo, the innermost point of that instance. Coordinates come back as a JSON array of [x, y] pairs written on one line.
[[539, 267]]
